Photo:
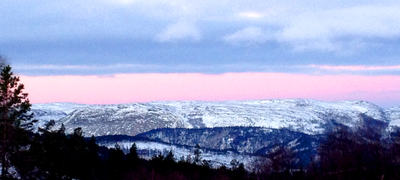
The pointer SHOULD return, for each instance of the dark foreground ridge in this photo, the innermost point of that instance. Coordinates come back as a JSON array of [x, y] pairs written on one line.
[[250, 142], [342, 154]]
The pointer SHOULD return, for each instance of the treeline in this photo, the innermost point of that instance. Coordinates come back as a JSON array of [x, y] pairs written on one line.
[[367, 153], [343, 154], [55, 155]]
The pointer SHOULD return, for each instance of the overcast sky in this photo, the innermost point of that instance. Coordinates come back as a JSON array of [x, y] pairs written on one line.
[[107, 37], [120, 36]]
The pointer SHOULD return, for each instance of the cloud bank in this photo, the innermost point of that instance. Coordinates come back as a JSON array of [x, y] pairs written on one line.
[[213, 69], [304, 25]]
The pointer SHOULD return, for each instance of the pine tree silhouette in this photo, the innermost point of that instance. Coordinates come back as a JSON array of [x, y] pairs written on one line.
[[197, 154], [14, 114]]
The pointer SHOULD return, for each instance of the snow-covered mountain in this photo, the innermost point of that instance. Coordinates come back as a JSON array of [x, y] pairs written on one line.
[[241, 130], [306, 116]]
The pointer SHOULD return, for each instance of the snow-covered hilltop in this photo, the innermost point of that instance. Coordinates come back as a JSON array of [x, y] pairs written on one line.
[[241, 130], [306, 116]]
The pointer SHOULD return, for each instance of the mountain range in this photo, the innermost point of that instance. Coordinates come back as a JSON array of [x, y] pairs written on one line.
[[233, 128]]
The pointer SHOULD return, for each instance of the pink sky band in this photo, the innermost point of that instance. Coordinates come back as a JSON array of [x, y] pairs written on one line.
[[126, 88]]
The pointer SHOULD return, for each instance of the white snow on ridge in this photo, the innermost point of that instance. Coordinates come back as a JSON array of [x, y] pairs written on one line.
[[55, 111], [303, 115], [62, 107], [296, 113], [394, 116]]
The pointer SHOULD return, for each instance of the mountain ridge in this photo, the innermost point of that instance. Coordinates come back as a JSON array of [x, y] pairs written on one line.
[[301, 115], [242, 130]]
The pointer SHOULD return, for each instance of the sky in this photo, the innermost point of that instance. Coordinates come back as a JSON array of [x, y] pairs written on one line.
[[121, 51]]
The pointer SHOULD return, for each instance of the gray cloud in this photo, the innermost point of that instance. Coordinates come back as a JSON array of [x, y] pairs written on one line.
[[249, 35], [187, 68], [179, 31], [304, 25]]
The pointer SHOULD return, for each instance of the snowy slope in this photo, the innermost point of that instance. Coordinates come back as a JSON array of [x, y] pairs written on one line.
[[250, 140], [307, 116], [148, 149], [54, 111], [219, 145], [394, 116]]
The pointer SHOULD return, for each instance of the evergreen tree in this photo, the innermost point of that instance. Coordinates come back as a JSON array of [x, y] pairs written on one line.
[[170, 157], [14, 116], [281, 159], [132, 155], [197, 154], [62, 129]]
